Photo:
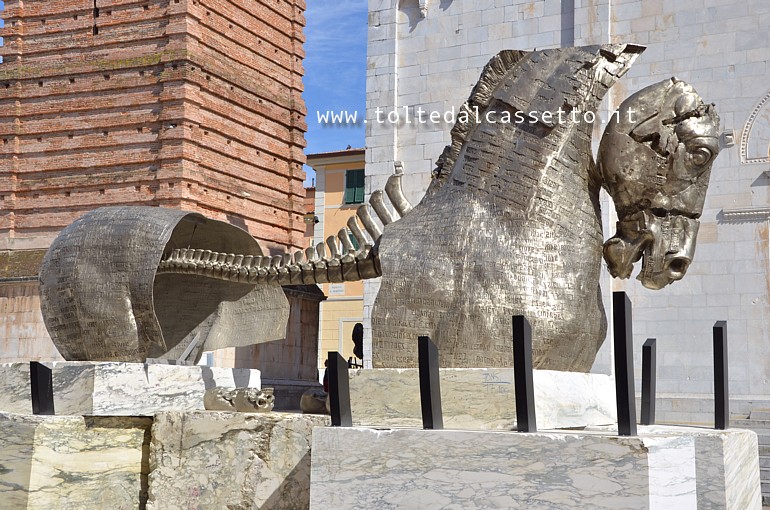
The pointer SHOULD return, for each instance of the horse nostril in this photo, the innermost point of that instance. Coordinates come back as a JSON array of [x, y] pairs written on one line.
[[679, 265]]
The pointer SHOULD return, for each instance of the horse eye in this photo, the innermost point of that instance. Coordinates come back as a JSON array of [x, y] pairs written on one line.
[[701, 156]]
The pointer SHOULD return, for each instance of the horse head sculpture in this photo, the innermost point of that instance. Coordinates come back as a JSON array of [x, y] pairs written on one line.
[[510, 225], [655, 161]]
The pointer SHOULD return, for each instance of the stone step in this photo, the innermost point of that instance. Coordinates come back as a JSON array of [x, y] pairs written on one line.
[[763, 434], [764, 461], [765, 488], [760, 414], [750, 424]]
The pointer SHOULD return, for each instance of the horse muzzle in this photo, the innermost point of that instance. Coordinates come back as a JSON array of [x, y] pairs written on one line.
[[665, 242]]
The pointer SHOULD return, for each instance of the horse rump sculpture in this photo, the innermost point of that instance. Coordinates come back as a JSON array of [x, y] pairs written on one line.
[[510, 224]]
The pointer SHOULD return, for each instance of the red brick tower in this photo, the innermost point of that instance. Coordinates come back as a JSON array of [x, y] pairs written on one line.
[[193, 104]]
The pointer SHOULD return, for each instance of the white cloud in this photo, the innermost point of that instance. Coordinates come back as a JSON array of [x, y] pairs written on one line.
[[336, 30]]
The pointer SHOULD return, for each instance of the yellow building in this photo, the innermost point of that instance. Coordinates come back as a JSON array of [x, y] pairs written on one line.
[[339, 190]]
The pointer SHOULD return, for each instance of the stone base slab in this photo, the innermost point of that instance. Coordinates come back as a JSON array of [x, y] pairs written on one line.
[[231, 460], [481, 398], [73, 462], [664, 468], [120, 389], [179, 460]]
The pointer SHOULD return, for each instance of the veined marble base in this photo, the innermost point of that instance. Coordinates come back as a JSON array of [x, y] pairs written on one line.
[[213, 460], [178, 461], [120, 389], [72, 462], [481, 398], [664, 468]]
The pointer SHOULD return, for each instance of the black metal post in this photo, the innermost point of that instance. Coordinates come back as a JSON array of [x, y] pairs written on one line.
[[430, 387], [41, 382], [522, 375], [623, 339], [648, 382], [721, 391], [339, 391]]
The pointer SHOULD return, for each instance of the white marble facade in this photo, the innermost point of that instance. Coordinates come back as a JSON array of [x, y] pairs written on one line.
[[664, 468], [120, 389], [720, 46], [481, 398]]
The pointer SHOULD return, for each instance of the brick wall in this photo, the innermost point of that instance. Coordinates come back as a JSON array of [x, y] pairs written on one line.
[[192, 104], [21, 324], [177, 103]]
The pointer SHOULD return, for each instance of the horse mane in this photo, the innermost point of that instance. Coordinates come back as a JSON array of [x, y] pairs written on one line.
[[481, 95]]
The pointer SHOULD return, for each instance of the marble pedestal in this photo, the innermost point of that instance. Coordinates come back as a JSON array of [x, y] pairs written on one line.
[[73, 462], [176, 461], [481, 398], [664, 468], [231, 460], [120, 389]]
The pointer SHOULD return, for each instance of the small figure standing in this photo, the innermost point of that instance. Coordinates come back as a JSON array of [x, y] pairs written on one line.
[[358, 341]]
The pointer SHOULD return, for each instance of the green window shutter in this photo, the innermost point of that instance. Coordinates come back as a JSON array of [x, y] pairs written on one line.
[[349, 190], [354, 186], [353, 240]]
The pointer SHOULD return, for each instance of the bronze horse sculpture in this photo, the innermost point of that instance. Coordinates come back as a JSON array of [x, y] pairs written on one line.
[[510, 225], [512, 218]]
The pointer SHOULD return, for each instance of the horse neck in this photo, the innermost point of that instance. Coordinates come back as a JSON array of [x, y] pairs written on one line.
[[529, 170]]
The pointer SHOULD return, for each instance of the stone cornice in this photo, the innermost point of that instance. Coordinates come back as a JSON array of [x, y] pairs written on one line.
[[745, 215]]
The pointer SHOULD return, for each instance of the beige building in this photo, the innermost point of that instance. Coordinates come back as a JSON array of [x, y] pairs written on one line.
[[339, 191]]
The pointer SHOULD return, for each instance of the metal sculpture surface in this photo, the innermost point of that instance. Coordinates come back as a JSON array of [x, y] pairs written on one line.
[[103, 301], [657, 169], [510, 224]]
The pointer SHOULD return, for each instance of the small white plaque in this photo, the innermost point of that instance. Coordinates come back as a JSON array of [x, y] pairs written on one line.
[[336, 289]]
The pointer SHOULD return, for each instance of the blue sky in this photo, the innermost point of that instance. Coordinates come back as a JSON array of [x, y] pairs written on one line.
[[335, 71]]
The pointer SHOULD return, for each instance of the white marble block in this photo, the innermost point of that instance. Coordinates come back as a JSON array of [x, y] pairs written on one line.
[[481, 398], [179, 460], [212, 460], [73, 462], [120, 389], [664, 468]]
